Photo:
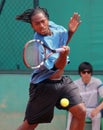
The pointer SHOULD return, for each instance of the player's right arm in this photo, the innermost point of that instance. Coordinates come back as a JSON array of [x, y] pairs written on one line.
[[60, 64], [62, 59]]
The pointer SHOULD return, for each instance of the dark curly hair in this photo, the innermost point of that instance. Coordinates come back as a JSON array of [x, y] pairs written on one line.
[[27, 15]]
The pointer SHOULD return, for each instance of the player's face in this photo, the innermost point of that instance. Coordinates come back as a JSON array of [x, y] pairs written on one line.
[[40, 24], [86, 76]]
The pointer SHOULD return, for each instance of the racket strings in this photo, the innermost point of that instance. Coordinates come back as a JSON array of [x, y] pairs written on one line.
[[32, 55], [36, 53]]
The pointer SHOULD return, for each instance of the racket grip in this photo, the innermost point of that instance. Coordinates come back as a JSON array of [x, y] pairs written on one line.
[[60, 50]]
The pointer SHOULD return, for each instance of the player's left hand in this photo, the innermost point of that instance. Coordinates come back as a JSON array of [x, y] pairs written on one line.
[[74, 22]]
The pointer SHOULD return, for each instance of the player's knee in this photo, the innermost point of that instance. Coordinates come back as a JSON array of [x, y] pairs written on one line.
[[27, 125], [82, 114], [79, 112]]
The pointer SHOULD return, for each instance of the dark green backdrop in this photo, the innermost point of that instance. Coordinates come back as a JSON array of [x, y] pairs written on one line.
[[86, 44]]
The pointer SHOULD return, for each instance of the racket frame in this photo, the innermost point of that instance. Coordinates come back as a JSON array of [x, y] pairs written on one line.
[[45, 47]]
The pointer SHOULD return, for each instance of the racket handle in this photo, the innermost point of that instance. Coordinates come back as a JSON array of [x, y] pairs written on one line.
[[60, 50]]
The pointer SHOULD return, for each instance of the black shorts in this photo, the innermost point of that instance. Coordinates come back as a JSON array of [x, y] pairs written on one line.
[[45, 95]]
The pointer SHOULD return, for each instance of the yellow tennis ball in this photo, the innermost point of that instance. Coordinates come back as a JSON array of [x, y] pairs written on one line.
[[64, 102]]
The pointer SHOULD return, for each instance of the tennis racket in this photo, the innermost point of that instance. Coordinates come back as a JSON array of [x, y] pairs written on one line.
[[33, 58]]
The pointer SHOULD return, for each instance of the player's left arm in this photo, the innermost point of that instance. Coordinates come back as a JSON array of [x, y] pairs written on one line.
[[73, 25]]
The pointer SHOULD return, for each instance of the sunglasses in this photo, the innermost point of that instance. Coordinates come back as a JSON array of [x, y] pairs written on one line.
[[84, 72]]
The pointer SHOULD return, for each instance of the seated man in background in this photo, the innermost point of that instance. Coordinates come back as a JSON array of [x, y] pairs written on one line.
[[91, 90]]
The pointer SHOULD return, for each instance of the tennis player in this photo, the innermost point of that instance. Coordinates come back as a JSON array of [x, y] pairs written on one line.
[[48, 85]]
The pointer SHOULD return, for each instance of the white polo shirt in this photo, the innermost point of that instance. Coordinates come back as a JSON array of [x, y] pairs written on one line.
[[91, 92]]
